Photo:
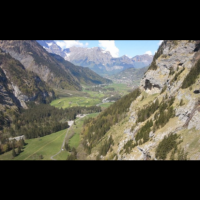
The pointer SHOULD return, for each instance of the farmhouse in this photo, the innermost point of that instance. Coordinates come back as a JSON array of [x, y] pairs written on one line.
[[17, 138]]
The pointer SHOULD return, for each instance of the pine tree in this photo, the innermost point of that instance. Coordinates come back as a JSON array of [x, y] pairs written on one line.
[[172, 155], [19, 150], [13, 153], [181, 102]]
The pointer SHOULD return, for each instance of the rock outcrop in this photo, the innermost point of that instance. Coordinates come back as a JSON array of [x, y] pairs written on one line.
[[173, 57], [194, 122], [18, 85]]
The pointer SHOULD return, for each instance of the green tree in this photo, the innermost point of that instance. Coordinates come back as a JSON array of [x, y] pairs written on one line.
[[14, 153], [181, 102], [172, 155], [19, 150], [192, 75]]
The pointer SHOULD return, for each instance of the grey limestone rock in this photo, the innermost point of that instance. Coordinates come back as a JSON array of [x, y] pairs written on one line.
[[182, 112], [195, 121], [151, 134], [173, 56]]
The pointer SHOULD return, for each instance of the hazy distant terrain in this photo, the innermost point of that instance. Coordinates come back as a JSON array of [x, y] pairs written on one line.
[[130, 76]]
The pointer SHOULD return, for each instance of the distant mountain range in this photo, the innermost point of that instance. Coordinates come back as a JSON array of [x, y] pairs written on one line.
[[96, 58]]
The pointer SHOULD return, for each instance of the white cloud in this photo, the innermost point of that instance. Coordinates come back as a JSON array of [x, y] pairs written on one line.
[[160, 42], [109, 45], [69, 43], [148, 52]]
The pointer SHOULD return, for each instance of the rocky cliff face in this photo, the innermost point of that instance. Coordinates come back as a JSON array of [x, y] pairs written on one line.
[[173, 57], [7, 98], [163, 82], [19, 86], [176, 56]]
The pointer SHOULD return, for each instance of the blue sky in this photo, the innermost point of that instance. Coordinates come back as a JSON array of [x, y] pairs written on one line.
[[117, 48]]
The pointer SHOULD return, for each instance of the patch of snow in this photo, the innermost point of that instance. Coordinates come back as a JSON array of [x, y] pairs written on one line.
[[67, 54], [128, 56], [103, 51], [49, 44]]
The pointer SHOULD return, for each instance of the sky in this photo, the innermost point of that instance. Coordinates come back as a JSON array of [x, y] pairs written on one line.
[[117, 48]]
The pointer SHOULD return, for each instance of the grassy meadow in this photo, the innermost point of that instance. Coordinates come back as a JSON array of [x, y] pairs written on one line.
[[46, 146], [87, 98], [67, 102]]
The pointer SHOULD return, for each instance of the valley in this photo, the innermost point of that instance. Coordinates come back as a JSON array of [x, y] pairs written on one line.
[[52, 147], [99, 95], [52, 109], [131, 76]]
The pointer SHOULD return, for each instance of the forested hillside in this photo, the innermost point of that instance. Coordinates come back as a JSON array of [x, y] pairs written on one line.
[[38, 120], [95, 129]]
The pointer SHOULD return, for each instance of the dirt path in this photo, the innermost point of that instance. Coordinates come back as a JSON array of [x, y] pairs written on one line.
[[42, 147], [62, 144], [65, 138]]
